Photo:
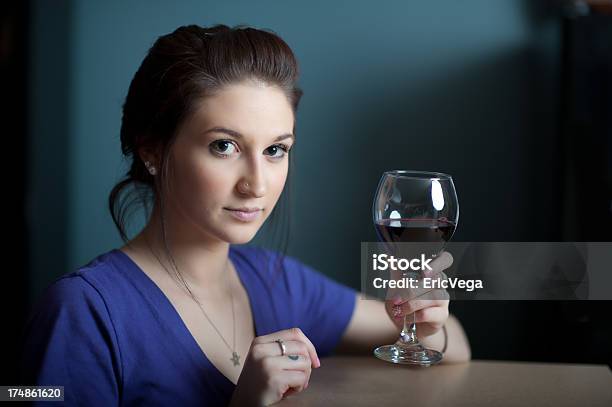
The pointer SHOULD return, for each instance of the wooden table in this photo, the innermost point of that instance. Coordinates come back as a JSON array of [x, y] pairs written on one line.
[[367, 381]]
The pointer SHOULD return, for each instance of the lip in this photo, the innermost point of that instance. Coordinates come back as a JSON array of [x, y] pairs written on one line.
[[245, 209], [244, 214]]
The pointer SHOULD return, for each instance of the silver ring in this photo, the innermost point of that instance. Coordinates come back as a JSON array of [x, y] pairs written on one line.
[[282, 346]]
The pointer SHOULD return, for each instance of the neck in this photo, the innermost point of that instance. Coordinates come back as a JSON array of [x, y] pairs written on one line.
[[202, 261]]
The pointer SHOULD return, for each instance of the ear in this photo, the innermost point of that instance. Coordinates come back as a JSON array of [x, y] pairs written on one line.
[[149, 154]]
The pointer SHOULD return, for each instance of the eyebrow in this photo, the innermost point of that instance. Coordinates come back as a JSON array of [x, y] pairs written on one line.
[[237, 135]]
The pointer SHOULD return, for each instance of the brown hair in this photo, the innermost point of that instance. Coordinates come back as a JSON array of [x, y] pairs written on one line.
[[181, 68]]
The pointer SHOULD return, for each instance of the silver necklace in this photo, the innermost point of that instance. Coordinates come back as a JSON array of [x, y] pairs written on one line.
[[235, 357]]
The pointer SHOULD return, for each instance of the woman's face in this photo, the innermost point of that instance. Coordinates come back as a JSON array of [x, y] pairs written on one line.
[[231, 154]]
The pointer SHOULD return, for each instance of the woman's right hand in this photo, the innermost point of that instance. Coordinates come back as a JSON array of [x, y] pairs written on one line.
[[267, 376]]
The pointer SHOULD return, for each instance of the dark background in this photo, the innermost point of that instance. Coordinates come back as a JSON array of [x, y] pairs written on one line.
[[518, 108]]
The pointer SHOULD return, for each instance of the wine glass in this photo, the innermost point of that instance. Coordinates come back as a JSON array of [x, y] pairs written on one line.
[[414, 206]]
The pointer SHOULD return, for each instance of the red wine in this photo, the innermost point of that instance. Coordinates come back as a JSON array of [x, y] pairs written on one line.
[[414, 230]]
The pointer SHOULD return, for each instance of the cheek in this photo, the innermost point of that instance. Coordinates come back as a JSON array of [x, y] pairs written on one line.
[[278, 180], [198, 181]]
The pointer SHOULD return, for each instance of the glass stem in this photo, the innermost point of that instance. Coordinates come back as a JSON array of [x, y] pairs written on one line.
[[408, 335]]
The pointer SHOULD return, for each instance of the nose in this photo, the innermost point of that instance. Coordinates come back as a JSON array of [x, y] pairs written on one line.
[[253, 182]]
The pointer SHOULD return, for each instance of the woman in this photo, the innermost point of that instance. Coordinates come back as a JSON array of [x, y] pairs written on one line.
[[180, 314]]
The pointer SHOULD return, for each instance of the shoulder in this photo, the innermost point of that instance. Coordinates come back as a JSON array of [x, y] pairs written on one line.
[[74, 290], [110, 269], [86, 289], [80, 302], [70, 308], [70, 288], [70, 332]]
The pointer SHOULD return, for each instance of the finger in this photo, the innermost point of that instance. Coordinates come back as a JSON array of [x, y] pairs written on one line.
[[415, 305], [420, 294], [291, 379], [274, 349], [433, 315], [277, 365], [293, 334], [434, 294], [292, 391], [293, 362], [443, 261], [437, 293], [420, 291], [301, 363]]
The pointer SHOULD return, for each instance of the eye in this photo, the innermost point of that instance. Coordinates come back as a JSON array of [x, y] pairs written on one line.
[[223, 147], [277, 150]]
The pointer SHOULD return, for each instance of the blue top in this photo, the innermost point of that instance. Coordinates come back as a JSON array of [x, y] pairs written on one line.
[[109, 335]]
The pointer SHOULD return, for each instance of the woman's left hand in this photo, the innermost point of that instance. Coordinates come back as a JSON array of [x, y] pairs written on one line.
[[431, 308]]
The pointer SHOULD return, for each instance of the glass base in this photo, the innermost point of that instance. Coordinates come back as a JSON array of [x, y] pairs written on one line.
[[406, 354]]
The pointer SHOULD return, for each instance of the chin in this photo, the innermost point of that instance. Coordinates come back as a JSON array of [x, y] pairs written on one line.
[[241, 240], [241, 237]]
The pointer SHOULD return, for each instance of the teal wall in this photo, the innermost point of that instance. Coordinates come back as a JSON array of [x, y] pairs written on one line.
[[468, 88]]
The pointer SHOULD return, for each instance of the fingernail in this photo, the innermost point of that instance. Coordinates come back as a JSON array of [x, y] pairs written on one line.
[[318, 362]]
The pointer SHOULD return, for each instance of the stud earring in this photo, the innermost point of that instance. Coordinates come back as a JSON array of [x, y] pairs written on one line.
[[150, 168]]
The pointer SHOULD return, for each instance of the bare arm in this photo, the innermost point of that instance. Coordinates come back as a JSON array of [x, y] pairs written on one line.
[[371, 326]]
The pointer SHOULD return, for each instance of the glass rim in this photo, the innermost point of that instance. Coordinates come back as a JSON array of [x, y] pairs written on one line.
[[416, 174]]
